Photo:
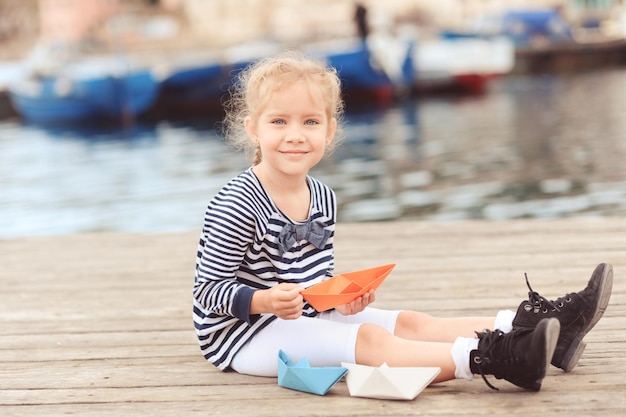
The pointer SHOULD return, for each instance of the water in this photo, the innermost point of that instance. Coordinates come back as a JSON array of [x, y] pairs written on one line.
[[533, 146]]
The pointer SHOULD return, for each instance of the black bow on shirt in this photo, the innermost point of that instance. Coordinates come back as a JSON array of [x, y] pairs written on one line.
[[312, 231]]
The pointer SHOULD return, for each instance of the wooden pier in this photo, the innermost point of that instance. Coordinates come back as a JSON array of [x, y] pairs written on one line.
[[100, 324]]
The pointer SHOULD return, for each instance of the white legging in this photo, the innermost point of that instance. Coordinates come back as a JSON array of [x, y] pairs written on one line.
[[326, 340]]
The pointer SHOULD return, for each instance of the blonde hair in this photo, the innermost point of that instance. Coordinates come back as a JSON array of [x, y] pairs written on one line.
[[255, 84]]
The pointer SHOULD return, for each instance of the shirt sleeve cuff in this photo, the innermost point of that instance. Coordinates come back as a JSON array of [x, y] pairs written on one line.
[[241, 305]]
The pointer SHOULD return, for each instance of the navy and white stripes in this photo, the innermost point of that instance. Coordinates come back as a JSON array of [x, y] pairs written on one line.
[[238, 253]]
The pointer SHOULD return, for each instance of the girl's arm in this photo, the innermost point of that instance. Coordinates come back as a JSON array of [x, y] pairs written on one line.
[[221, 250], [283, 300]]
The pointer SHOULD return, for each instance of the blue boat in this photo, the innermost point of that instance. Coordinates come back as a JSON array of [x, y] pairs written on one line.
[[359, 77], [193, 90], [194, 87], [523, 27], [83, 92], [196, 82], [375, 71], [197, 89]]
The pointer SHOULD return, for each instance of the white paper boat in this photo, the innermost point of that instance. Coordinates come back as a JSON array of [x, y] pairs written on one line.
[[391, 383]]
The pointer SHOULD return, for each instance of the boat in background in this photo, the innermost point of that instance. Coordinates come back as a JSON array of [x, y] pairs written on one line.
[[10, 71], [192, 85], [545, 41], [59, 99], [461, 63], [375, 71], [525, 26], [196, 87], [195, 83], [62, 88]]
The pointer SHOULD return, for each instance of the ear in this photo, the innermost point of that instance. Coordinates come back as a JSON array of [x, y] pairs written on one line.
[[251, 130], [332, 129]]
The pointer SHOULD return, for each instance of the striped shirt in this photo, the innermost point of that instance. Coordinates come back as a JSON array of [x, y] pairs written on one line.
[[238, 253]]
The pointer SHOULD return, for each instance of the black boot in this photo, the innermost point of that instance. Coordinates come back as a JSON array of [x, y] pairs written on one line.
[[577, 313], [520, 357]]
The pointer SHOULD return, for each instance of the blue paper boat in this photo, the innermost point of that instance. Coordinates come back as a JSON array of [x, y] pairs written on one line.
[[302, 377]]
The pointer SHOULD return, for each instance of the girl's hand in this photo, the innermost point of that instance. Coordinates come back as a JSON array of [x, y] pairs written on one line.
[[357, 305], [285, 301]]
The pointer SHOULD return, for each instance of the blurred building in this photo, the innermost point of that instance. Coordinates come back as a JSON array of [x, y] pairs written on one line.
[[73, 20], [220, 21], [224, 22]]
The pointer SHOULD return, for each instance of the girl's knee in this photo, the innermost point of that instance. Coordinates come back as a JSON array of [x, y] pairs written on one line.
[[371, 331], [371, 342], [372, 335], [408, 323]]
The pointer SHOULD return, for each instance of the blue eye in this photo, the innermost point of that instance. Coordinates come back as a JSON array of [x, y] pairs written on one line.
[[278, 122], [311, 122]]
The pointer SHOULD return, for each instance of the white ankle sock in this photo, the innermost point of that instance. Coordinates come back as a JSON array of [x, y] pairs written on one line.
[[460, 351], [504, 321], [462, 346]]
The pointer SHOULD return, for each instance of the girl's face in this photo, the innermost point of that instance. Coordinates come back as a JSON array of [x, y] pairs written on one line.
[[292, 130]]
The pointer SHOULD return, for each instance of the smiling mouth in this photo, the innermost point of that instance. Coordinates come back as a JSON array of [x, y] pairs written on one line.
[[294, 152]]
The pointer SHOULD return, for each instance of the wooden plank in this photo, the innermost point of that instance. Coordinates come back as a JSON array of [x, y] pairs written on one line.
[[100, 324]]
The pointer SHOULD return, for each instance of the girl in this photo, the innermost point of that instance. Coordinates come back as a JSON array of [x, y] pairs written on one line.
[[268, 234]]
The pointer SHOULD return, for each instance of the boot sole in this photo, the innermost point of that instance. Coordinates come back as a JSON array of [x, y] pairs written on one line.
[[551, 329], [574, 352]]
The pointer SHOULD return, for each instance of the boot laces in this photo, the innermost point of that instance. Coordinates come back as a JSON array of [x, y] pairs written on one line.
[[494, 347], [541, 304]]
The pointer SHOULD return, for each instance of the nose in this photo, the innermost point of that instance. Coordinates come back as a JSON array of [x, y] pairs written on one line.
[[294, 134]]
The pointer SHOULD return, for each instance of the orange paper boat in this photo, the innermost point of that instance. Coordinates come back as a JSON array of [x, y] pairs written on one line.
[[344, 288]]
